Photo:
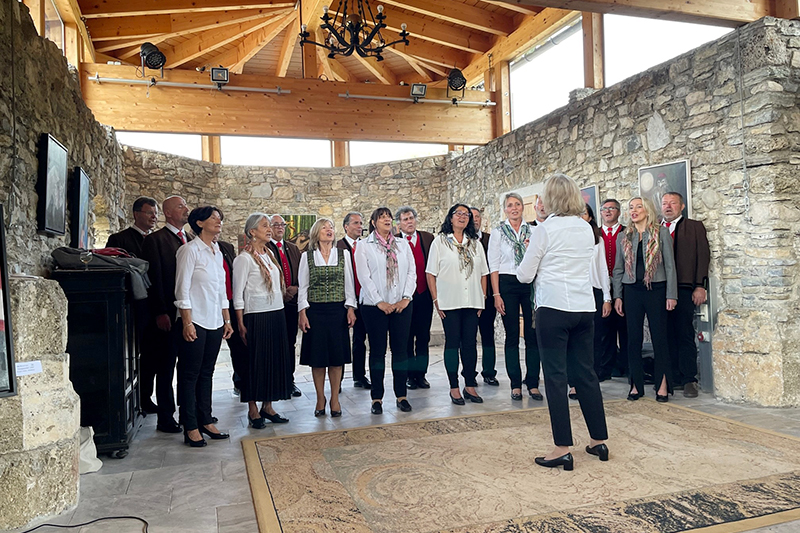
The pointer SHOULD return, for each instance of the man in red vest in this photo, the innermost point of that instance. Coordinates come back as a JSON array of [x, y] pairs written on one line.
[[615, 358], [422, 311]]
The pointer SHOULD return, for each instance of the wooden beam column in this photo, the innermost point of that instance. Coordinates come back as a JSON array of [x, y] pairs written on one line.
[[340, 151], [502, 87], [787, 9], [36, 8], [593, 51], [212, 148], [73, 45], [310, 67]]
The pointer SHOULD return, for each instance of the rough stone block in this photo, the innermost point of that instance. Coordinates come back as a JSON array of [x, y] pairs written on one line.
[[42, 328]]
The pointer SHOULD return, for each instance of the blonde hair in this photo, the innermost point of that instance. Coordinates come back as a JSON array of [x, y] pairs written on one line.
[[562, 197], [652, 252], [316, 229], [512, 195]]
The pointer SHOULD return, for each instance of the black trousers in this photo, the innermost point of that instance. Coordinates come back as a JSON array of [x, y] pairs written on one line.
[[460, 333], [681, 335], [488, 351], [196, 362], [419, 336], [640, 302], [613, 354], [516, 295], [565, 344], [148, 362], [240, 355], [359, 347], [597, 342], [396, 325], [162, 349], [291, 313]]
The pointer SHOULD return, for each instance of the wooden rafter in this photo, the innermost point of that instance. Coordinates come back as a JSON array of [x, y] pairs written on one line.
[[412, 62], [422, 28], [332, 68], [723, 13], [132, 8], [433, 68], [311, 13], [290, 41], [110, 46], [459, 13], [378, 69], [525, 10], [70, 13], [433, 52], [252, 44]]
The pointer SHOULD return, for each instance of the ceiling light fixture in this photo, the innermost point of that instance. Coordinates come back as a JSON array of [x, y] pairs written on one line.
[[152, 58], [456, 82], [352, 29]]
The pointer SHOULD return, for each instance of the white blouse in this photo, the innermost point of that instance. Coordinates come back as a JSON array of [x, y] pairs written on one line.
[[501, 251], [371, 272], [200, 283], [598, 268], [453, 289], [304, 277], [250, 291], [558, 257]]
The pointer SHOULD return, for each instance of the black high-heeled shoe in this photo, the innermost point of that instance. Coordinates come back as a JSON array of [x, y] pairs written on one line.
[[193, 443], [633, 396], [474, 398], [336, 414], [536, 396], [662, 399], [564, 460], [212, 435], [321, 412], [457, 401], [257, 423], [275, 419], [601, 451]]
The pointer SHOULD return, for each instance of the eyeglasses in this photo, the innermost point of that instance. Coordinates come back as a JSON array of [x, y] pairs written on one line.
[[278, 225], [461, 213], [609, 209]]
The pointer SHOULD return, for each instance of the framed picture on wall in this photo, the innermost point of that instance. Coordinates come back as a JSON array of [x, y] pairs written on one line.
[[589, 195], [297, 229], [8, 380], [52, 186], [79, 209], [657, 180]]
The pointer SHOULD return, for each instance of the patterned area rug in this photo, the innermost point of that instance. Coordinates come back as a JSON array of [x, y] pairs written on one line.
[[671, 469]]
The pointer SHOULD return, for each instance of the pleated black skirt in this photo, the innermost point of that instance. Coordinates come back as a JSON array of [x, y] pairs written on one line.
[[327, 342], [269, 367]]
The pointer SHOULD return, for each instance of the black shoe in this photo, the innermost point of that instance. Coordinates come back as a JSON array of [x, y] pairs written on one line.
[[214, 420], [634, 396], [214, 436], [474, 398], [603, 378], [536, 396], [422, 383], [601, 451], [403, 405], [573, 395], [257, 423], [457, 401], [491, 380], [149, 407], [321, 412], [362, 383], [564, 460], [275, 419], [295, 391], [169, 427], [662, 399], [690, 390], [193, 443], [411, 384], [516, 396], [377, 408]]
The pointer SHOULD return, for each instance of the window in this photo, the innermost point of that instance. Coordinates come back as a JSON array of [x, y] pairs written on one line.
[[53, 24], [365, 153], [273, 152], [635, 44], [170, 143]]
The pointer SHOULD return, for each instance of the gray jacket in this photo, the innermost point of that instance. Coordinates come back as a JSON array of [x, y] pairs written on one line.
[[664, 272]]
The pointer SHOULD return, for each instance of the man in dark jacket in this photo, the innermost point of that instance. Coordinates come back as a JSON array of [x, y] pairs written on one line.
[[145, 216], [353, 224]]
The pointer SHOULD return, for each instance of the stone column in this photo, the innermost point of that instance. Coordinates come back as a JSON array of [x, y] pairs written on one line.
[[39, 442]]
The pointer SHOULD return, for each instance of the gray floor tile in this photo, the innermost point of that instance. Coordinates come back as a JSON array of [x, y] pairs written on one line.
[[144, 481], [202, 494], [95, 485], [239, 518], [154, 502]]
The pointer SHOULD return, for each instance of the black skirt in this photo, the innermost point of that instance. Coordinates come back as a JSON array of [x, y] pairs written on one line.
[[327, 342], [269, 366]]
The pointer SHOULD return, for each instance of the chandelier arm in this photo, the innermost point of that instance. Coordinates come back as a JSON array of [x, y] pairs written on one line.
[[368, 39], [398, 41], [341, 40]]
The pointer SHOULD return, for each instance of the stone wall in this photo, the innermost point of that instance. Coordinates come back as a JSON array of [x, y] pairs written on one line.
[[744, 182], [39, 94]]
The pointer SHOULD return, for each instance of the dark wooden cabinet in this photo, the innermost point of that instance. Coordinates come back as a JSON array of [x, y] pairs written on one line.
[[104, 355]]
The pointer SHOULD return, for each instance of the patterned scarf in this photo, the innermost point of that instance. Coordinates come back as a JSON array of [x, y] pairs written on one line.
[[465, 250], [652, 252], [517, 244], [389, 246]]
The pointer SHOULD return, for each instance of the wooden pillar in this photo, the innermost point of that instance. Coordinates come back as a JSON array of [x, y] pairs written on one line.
[[73, 45], [310, 68], [787, 9], [37, 13], [212, 148], [593, 51], [457, 148], [488, 81], [502, 87], [340, 151]]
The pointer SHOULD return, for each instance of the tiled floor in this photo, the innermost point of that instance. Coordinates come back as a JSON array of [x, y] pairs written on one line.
[[178, 489]]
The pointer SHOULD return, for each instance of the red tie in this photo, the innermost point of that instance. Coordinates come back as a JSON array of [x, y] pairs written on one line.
[[667, 224], [355, 277], [408, 237], [610, 232], [287, 276], [181, 237]]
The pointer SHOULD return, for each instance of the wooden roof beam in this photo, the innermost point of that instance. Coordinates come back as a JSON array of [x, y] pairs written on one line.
[[432, 52], [70, 13], [252, 44], [288, 46], [413, 63], [718, 12], [132, 8], [517, 8], [332, 69], [421, 28], [378, 68], [459, 13]]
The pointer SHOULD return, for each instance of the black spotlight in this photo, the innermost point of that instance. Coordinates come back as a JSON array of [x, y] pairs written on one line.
[[152, 57], [456, 80]]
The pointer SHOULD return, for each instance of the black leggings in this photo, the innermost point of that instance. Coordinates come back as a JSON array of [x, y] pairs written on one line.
[[196, 362], [460, 333], [516, 295], [397, 326]]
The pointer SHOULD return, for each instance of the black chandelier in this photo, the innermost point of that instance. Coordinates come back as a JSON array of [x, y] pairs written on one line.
[[353, 28]]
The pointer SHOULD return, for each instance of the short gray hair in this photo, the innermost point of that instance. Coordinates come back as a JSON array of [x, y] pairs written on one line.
[[252, 221], [512, 195], [349, 215], [403, 210], [316, 229]]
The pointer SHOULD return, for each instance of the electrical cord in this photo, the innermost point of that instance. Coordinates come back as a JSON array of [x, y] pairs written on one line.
[[144, 528]]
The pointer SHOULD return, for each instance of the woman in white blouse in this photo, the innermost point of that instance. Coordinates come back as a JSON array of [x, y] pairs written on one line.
[[456, 274], [558, 258], [202, 304], [387, 274], [258, 289], [326, 302]]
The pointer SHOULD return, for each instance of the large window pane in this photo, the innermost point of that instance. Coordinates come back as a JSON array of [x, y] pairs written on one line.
[[170, 143], [271, 152], [634, 44], [542, 79], [53, 24], [365, 153]]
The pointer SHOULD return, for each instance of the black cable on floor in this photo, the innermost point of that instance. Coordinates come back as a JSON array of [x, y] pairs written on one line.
[[142, 520]]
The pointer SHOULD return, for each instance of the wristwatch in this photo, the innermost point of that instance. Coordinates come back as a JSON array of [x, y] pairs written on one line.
[[409, 298]]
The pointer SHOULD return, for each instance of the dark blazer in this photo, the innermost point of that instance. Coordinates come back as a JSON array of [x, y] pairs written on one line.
[[129, 240], [342, 244], [228, 253], [692, 253], [426, 239], [159, 250], [293, 257], [485, 242]]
